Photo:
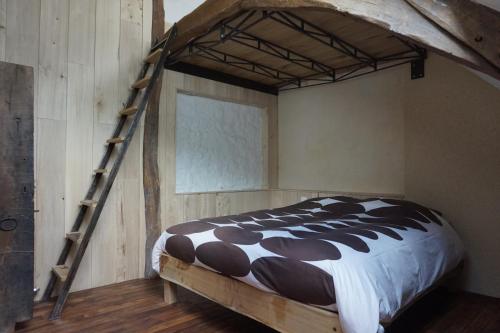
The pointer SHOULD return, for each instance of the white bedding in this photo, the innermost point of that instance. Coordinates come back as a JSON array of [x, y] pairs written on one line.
[[369, 286]]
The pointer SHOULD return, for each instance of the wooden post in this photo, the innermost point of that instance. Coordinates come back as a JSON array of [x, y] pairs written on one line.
[[151, 178], [169, 292]]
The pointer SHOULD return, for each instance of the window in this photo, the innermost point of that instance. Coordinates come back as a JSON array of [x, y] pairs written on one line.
[[220, 145]]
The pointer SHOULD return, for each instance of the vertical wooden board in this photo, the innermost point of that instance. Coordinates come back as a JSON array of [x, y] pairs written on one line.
[[198, 206], [265, 147], [104, 238], [254, 200], [79, 153], [131, 166], [81, 37], [53, 59], [240, 202], [131, 10], [3, 26], [107, 68], [130, 61], [22, 33], [130, 56], [49, 224], [223, 204], [207, 207], [272, 137], [142, 211], [80, 122], [127, 229], [130, 51], [173, 215], [191, 204], [147, 22]]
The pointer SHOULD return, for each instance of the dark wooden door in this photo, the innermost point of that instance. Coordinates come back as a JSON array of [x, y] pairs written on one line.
[[16, 194]]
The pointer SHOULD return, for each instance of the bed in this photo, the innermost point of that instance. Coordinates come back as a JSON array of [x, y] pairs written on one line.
[[339, 263]]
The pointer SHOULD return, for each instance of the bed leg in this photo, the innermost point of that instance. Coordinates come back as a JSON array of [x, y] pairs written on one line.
[[169, 292]]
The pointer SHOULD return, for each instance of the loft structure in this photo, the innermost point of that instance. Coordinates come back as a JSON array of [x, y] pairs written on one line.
[[273, 46]]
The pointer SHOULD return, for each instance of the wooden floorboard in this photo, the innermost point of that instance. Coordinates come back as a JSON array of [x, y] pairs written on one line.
[[137, 306]]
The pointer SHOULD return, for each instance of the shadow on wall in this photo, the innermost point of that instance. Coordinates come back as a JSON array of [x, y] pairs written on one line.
[[453, 161]]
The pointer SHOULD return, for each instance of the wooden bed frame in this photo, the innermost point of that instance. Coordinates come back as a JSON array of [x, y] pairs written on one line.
[[282, 314], [279, 313]]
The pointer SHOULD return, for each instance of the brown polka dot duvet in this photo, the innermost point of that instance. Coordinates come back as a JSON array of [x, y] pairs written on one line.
[[365, 258]]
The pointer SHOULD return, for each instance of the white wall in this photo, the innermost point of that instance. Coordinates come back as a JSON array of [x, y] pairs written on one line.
[[344, 137], [176, 9], [453, 162], [437, 140]]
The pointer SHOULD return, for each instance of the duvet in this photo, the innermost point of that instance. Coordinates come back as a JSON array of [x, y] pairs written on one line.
[[363, 258]]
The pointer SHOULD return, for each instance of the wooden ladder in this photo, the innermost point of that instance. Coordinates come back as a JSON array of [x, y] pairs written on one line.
[[136, 104]]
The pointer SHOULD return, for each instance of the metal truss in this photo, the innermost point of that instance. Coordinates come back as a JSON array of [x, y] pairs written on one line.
[[235, 30]]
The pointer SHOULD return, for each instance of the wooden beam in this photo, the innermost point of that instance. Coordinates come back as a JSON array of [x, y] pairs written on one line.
[[151, 174], [89, 203], [141, 84], [277, 312], [73, 235], [61, 271], [153, 57], [395, 16], [169, 292], [187, 68], [116, 140], [476, 25], [128, 111]]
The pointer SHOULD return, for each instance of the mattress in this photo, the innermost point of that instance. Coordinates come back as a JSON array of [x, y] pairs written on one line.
[[365, 258]]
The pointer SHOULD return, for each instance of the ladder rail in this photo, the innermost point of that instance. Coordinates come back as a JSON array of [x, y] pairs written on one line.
[[56, 312], [92, 190]]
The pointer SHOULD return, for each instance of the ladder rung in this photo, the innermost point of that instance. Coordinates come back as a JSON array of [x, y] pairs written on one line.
[[115, 140], [142, 83], [154, 56], [88, 203], [73, 235], [61, 271], [101, 171], [128, 111]]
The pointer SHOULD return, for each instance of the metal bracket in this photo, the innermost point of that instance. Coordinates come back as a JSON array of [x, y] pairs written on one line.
[[417, 68]]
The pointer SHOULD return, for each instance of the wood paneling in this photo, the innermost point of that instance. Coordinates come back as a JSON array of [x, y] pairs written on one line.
[[177, 208], [80, 118], [85, 54]]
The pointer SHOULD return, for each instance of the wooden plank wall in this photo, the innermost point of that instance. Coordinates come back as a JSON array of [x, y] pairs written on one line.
[[180, 207], [85, 54]]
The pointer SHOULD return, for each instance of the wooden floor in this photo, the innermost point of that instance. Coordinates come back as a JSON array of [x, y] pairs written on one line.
[[137, 306]]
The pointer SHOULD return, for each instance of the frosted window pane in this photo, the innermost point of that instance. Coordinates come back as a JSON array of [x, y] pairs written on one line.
[[219, 145]]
